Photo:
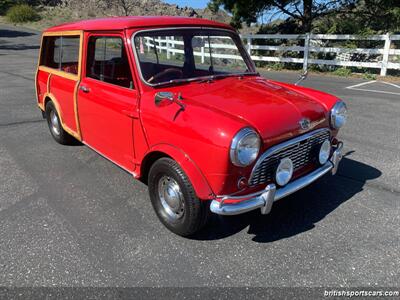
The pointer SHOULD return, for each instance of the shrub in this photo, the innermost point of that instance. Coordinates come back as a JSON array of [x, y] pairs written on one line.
[[342, 72], [369, 76], [275, 66], [22, 13]]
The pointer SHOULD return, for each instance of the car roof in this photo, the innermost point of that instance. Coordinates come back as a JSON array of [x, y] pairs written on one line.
[[119, 23]]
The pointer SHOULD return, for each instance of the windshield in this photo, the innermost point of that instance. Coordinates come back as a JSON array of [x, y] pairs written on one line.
[[178, 55]]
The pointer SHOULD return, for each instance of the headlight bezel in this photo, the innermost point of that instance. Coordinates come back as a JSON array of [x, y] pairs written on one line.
[[338, 118], [237, 141]]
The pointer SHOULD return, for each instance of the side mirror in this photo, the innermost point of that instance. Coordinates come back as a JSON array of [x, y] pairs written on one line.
[[164, 98]]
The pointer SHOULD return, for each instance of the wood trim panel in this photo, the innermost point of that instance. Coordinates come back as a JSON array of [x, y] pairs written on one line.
[[59, 73], [62, 33]]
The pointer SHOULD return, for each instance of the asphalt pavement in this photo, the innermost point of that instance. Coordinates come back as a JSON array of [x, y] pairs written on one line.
[[69, 217]]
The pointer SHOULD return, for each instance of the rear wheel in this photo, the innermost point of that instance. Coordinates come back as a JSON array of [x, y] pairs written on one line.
[[174, 199], [56, 129]]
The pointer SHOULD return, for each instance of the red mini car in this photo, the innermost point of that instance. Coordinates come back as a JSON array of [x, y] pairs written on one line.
[[177, 102]]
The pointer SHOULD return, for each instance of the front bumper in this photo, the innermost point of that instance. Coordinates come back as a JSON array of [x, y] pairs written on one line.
[[265, 198]]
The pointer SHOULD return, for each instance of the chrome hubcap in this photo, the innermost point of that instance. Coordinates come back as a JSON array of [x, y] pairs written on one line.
[[55, 124], [171, 197]]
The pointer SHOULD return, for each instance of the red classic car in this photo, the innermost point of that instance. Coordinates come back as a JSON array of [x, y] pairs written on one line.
[[178, 103]]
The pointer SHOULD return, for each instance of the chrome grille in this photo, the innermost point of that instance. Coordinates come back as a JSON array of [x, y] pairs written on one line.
[[302, 150]]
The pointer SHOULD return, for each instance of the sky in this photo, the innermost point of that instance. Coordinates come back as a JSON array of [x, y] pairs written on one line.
[[191, 3]]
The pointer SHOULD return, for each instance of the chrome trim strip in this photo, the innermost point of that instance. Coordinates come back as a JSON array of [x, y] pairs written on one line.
[[281, 146], [242, 51]]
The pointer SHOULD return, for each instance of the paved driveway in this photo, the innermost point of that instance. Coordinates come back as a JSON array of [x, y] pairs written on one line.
[[69, 217]]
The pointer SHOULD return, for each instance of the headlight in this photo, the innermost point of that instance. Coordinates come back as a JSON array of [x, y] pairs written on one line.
[[245, 147], [338, 115]]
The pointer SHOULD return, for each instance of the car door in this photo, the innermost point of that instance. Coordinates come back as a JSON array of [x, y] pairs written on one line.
[[107, 99]]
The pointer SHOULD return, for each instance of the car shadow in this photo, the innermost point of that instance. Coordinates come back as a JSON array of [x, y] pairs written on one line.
[[298, 212], [18, 47], [14, 33]]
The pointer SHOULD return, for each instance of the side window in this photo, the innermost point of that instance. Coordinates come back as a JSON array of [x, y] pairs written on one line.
[[51, 52], [107, 61], [70, 54], [61, 53]]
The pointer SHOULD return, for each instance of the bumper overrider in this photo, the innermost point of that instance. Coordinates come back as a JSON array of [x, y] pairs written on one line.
[[265, 198]]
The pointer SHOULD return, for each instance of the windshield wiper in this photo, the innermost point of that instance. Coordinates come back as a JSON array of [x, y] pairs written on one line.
[[209, 78], [221, 76], [172, 81]]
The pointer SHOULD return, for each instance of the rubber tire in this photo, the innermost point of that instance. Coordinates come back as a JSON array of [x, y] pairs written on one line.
[[64, 138], [196, 212]]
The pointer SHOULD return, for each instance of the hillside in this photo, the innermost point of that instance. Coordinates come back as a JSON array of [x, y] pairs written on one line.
[[71, 10]]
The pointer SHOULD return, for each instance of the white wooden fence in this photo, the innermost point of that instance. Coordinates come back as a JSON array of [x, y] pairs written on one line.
[[383, 64], [171, 47], [383, 58]]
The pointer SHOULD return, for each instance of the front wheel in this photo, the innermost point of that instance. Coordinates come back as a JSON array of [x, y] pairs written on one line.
[[174, 199]]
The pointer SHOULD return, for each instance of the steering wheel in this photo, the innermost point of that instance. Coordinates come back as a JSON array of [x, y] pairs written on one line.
[[176, 71]]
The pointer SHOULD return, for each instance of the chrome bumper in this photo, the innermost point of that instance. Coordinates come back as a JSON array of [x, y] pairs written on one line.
[[265, 198]]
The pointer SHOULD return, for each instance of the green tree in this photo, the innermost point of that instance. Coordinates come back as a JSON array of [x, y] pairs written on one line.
[[5, 5], [379, 15], [366, 17], [301, 11]]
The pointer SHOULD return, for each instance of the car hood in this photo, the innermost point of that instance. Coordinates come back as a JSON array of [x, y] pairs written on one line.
[[274, 110]]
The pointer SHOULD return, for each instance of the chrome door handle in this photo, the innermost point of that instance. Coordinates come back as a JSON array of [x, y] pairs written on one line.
[[84, 89]]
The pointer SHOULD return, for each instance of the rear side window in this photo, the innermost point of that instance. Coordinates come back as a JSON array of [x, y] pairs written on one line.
[[107, 61], [70, 54], [61, 53], [51, 52]]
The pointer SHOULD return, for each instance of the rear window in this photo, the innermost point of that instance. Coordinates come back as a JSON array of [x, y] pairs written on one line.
[[61, 53]]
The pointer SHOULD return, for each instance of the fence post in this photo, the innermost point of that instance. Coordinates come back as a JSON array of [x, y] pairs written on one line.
[[173, 46], [385, 58], [306, 51], [159, 44], [148, 43], [167, 45], [249, 44]]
